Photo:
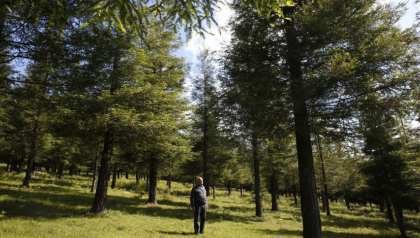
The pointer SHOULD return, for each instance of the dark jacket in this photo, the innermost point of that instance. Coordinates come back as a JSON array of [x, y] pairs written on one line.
[[198, 196]]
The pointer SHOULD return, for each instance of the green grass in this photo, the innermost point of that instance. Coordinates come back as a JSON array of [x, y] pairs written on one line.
[[58, 208]]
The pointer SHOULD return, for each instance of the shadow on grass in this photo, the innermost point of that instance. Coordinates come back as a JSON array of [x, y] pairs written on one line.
[[329, 234], [177, 233], [56, 202]]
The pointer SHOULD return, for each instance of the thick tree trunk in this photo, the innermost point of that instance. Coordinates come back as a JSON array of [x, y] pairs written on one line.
[[325, 202], [389, 213], [400, 219], [114, 177], [309, 203], [153, 170], [274, 192], [257, 182], [32, 154], [102, 185]]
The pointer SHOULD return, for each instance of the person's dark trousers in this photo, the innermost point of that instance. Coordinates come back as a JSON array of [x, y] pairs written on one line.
[[199, 213]]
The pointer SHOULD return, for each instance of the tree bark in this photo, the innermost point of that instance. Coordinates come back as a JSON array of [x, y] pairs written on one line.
[[102, 184], [60, 171], [95, 168], [32, 154], [205, 152], [400, 219], [137, 176], [274, 192], [325, 201], [389, 213], [257, 181], [214, 191], [153, 170], [114, 176], [309, 203], [229, 188]]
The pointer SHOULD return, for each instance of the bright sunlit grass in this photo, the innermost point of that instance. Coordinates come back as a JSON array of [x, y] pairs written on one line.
[[58, 208]]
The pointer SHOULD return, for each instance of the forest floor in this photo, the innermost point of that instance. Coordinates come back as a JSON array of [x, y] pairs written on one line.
[[58, 208]]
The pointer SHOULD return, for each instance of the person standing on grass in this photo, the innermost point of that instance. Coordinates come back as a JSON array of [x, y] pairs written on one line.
[[198, 202]]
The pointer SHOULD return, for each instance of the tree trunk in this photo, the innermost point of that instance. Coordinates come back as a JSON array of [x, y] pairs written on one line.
[[102, 184], [126, 174], [137, 177], [325, 202], [347, 204], [241, 189], [153, 170], [274, 192], [114, 177], [309, 203], [400, 219], [95, 168], [32, 154], [60, 171], [103, 176], [295, 196], [169, 183], [389, 213], [381, 206], [214, 191], [257, 182], [205, 149], [229, 189]]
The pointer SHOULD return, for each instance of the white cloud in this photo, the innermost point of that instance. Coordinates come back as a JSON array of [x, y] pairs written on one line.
[[218, 35]]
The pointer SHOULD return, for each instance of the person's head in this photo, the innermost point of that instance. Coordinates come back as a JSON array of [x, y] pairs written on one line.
[[198, 181]]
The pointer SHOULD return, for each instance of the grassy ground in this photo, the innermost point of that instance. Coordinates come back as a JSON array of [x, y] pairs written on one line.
[[57, 208]]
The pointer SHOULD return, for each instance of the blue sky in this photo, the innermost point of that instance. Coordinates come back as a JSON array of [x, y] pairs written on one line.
[[220, 35]]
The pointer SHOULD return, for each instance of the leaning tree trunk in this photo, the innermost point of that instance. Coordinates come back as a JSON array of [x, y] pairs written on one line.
[[257, 181], [153, 171], [325, 201], [309, 203], [103, 176], [102, 184], [32, 155], [274, 192]]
